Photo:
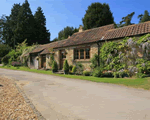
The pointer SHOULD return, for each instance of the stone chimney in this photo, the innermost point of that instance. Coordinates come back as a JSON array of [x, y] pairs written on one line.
[[81, 28]]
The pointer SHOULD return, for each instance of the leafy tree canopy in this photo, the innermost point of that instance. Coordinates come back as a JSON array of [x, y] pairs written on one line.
[[67, 31], [97, 15], [42, 34], [4, 49], [145, 17], [126, 20]]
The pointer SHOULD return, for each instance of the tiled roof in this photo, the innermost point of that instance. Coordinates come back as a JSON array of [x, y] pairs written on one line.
[[127, 31], [87, 36], [93, 35], [40, 48]]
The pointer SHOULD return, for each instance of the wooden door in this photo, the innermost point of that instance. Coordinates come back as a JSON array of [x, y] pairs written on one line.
[[62, 58], [43, 62]]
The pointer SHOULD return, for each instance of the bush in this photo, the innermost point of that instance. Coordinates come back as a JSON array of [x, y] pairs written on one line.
[[107, 74], [116, 75], [79, 69], [140, 75], [86, 73], [74, 69], [66, 67], [5, 59], [97, 72], [70, 68], [54, 66], [16, 64]]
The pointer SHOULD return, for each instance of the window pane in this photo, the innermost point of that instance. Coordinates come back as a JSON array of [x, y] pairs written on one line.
[[81, 53], [76, 54], [87, 53]]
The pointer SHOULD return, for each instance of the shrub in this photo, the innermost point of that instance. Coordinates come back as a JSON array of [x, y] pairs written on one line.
[[140, 75], [86, 73], [107, 74], [79, 69], [5, 59], [66, 67], [70, 68], [116, 75], [74, 69], [15, 63], [54, 66], [51, 60], [97, 72]]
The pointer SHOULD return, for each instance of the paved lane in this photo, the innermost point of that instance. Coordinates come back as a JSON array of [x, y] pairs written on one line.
[[59, 98]]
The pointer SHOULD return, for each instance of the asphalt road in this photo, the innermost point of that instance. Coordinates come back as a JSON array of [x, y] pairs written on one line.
[[59, 98]]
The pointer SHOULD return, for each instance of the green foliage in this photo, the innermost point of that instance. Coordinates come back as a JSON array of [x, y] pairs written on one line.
[[143, 66], [97, 15], [107, 74], [4, 49], [97, 72], [126, 20], [140, 75], [86, 73], [51, 59], [42, 34], [66, 67], [70, 67], [122, 56], [143, 39], [116, 75], [145, 17], [21, 25], [67, 31], [5, 59], [79, 69], [74, 69], [54, 66], [94, 61]]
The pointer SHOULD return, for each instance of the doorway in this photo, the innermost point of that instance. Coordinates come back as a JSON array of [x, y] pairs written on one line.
[[62, 58]]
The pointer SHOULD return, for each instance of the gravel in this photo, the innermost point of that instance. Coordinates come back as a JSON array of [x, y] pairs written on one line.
[[12, 103]]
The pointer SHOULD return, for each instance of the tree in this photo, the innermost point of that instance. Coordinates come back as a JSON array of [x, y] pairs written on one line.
[[55, 39], [67, 31], [42, 34], [97, 15], [10, 24], [145, 17], [26, 25], [126, 20], [4, 49]]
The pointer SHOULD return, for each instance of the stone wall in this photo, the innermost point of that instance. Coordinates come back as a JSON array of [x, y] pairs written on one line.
[[47, 61], [70, 55]]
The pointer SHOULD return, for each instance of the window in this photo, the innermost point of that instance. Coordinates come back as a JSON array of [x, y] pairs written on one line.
[[76, 54], [87, 51], [82, 53]]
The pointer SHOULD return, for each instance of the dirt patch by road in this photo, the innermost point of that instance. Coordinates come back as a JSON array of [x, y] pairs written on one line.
[[12, 103]]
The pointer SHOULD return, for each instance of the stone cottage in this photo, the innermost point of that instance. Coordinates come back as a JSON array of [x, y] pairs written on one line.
[[81, 46]]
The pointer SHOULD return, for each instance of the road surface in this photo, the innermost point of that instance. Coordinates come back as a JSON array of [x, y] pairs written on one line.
[[59, 98]]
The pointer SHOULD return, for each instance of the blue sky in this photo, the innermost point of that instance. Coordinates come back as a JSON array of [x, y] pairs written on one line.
[[62, 13]]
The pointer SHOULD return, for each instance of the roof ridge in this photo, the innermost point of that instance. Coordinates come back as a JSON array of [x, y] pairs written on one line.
[[128, 26], [93, 28]]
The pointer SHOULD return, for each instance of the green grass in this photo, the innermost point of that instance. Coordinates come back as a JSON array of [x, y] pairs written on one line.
[[143, 83]]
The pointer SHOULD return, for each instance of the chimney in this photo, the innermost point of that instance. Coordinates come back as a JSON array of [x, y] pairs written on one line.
[[81, 28]]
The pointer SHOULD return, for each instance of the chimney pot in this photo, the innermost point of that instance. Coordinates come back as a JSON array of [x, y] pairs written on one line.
[[81, 28]]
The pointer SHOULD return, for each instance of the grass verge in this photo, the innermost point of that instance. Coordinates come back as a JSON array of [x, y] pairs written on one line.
[[143, 83]]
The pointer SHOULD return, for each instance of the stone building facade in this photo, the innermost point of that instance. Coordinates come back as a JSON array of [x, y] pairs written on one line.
[[83, 45]]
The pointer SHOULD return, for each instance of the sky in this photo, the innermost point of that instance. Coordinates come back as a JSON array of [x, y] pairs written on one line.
[[62, 13]]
